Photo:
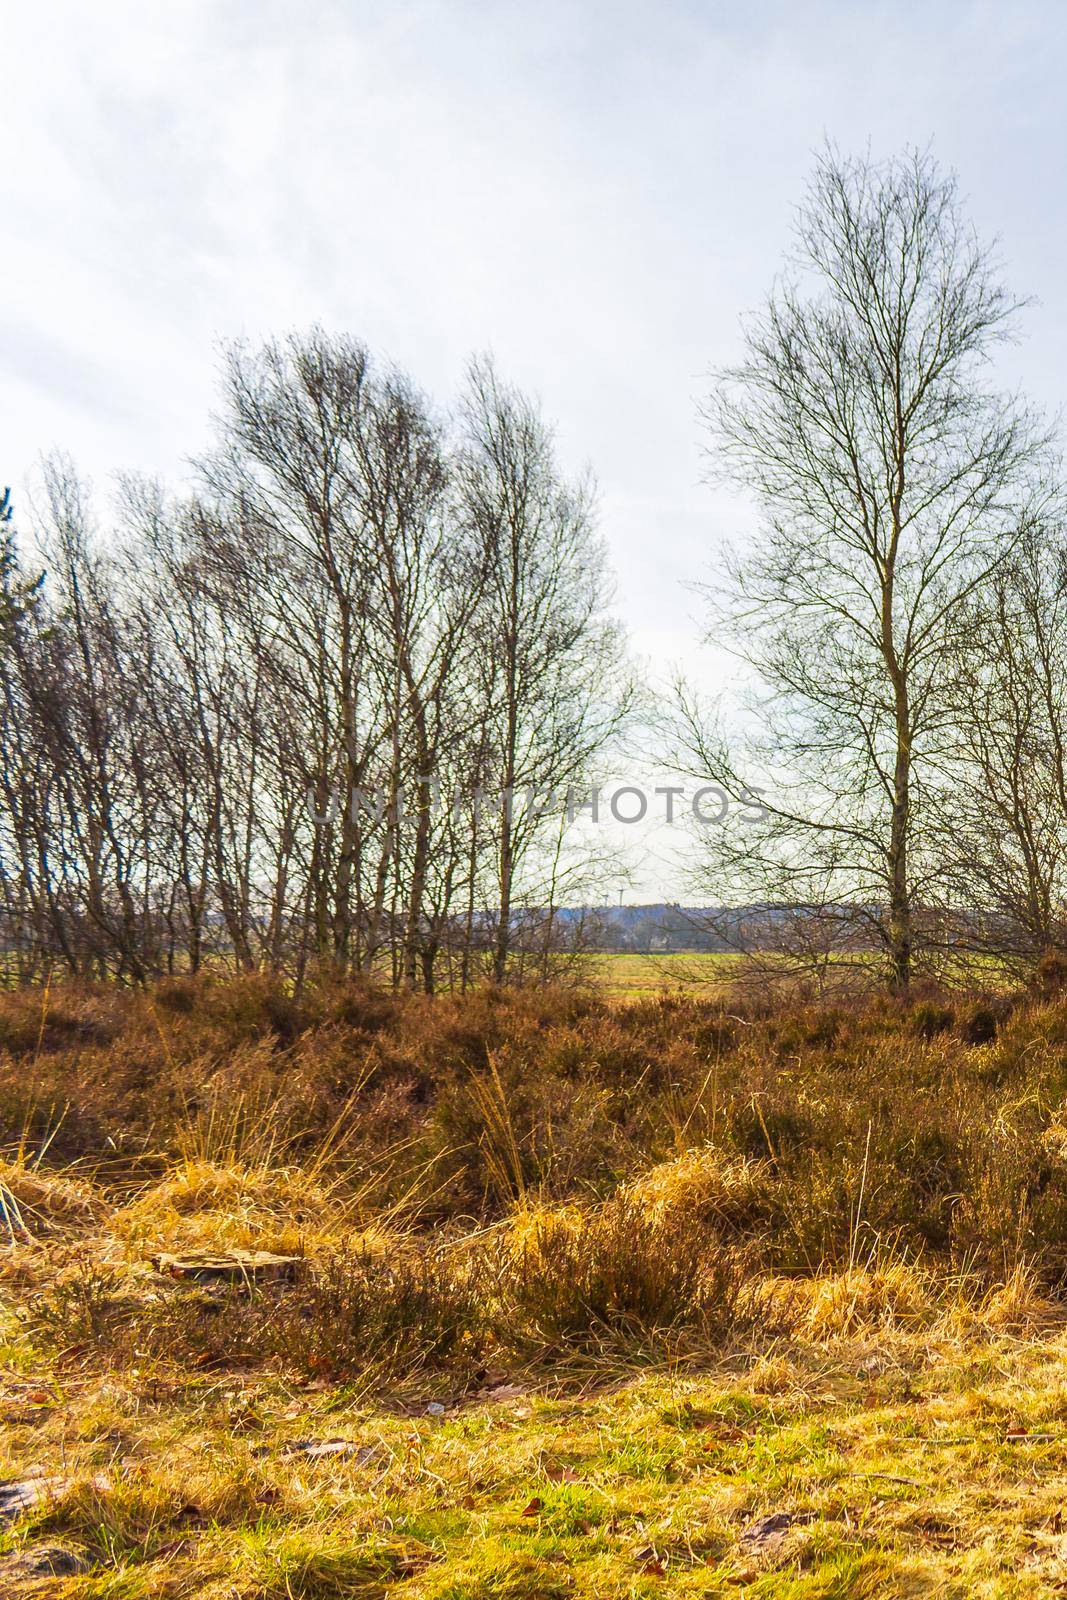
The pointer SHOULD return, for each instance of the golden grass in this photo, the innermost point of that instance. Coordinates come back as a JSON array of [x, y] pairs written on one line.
[[916, 1455], [912, 1427], [861, 1299], [587, 1292], [204, 1205], [38, 1198], [721, 1188]]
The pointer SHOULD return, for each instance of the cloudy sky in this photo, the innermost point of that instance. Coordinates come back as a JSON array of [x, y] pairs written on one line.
[[595, 192]]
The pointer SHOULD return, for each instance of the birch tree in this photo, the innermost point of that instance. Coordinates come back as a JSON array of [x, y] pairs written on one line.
[[892, 481]]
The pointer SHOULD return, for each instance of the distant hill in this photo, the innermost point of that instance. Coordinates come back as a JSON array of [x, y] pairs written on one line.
[[663, 927]]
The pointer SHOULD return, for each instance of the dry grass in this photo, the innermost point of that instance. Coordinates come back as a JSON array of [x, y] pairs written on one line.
[[35, 1198], [725, 1192], [201, 1204], [914, 1459], [655, 1271]]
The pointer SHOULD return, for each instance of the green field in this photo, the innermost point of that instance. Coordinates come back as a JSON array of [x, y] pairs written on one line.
[[626, 976]]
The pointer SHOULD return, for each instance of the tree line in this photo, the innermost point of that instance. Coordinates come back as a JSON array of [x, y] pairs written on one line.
[[226, 727], [269, 723]]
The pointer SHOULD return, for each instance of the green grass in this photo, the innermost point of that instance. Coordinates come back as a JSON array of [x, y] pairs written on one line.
[[632, 976], [913, 1466]]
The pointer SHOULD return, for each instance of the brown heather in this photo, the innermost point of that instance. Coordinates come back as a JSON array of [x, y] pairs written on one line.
[[586, 1287], [713, 1139]]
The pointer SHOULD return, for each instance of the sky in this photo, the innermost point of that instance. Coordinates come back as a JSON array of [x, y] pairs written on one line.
[[595, 193]]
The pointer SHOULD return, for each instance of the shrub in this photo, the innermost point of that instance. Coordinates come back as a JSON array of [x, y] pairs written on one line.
[[983, 1019], [1049, 980], [928, 1019], [354, 1314], [389, 1314], [621, 1271], [731, 1195], [806, 1134]]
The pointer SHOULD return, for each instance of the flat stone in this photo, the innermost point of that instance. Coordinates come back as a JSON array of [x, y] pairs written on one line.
[[764, 1540], [767, 1532], [19, 1495], [45, 1561], [229, 1266]]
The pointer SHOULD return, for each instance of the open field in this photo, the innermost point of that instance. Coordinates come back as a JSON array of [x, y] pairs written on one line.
[[580, 1296], [625, 975]]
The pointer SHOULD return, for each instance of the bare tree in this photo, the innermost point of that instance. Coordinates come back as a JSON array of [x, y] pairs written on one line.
[[1004, 816], [335, 480], [255, 724], [893, 483], [549, 652], [81, 782]]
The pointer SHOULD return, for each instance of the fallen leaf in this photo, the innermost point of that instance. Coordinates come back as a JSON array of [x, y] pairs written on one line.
[[744, 1575], [652, 1561], [316, 1449], [504, 1391], [533, 1508]]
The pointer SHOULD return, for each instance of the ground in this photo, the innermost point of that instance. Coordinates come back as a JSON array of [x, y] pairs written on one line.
[[687, 1296], [911, 1461]]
